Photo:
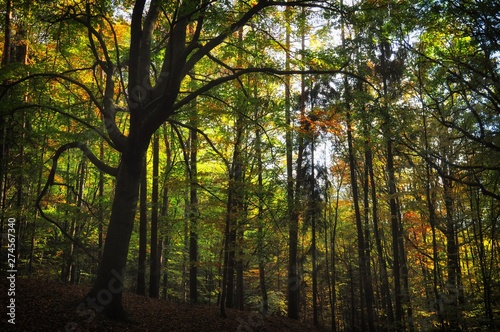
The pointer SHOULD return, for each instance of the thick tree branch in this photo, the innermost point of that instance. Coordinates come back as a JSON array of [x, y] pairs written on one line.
[[113, 171], [208, 47], [135, 45], [271, 71], [50, 181], [107, 110]]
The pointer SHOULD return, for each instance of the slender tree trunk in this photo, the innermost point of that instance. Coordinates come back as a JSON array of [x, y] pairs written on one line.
[[313, 214], [453, 265], [233, 214], [7, 44], [143, 233], [405, 279], [154, 273], [3, 175], [479, 240], [185, 252], [430, 198], [193, 235], [364, 264], [333, 244], [240, 287], [260, 221], [227, 294], [100, 192], [401, 283], [4, 119], [293, 284], [35, 219], [398, 295], [78, 224], [69, 224], [384, 276], [366, 288], [164, 212]]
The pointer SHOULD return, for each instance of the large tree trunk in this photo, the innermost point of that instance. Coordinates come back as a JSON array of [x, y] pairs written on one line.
[[106, 293]]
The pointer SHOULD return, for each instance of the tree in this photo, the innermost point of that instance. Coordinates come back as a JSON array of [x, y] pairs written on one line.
[[193, 207], [150, 94], [398, 230], [155, 265], [143, 235]]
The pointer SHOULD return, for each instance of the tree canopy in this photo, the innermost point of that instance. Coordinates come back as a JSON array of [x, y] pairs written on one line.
[[332, 161]]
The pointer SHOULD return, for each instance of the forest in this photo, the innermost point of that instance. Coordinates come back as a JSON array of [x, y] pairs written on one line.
[[336, 162]]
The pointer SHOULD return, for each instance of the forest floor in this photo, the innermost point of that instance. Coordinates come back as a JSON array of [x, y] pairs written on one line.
[[42, 305]]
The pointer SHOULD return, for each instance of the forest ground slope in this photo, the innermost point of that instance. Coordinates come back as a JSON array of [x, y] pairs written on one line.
[[45, 305]]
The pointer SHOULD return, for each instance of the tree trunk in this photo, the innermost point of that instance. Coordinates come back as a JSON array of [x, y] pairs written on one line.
[[154, 273], [164, 212], [384, 276], [313, 214], [143, 234], [479, 240], [233, 213], [229, 248], [193, 210], [332, 282], [364, 264], [240, 287], [106, 293], [261, 222], [35, 218], [293, 284], [7, 45], [453, 265], [101, 205], [398, 295]]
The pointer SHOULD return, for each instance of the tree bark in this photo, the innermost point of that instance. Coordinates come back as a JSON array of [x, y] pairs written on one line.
[[293, 284], [384, 276], [313, 214], [364, 264], [143, 234], [260, 221], [233, 214], [193, 210], [7, 45], [106, 293], [155, 265]]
